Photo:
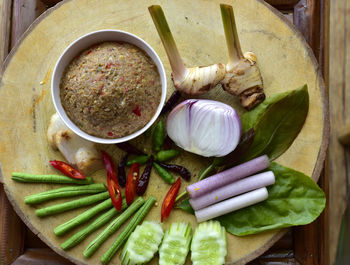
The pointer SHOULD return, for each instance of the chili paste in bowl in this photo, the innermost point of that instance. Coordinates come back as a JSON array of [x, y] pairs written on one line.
[[111, 89]]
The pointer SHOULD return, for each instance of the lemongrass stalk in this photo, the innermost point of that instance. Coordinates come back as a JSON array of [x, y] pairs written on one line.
[[195, 80], [177, 65]]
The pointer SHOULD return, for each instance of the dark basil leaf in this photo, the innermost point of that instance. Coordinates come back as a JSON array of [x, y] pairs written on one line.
[[295, 199], [186, 206], [277, 123]]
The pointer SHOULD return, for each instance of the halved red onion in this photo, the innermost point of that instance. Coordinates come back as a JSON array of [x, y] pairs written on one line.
[[204, 127]]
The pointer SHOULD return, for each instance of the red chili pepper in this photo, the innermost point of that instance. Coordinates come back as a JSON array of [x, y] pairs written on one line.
[[114, 193], [131, 183], [112, 180], [88, 52], [169, 199], [137, 110], [67, 169], [111, 172], [108, 65]]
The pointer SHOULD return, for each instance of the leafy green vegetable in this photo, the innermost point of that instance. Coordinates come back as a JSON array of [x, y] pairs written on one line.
[[277, 122], [295, 199], [185, 206]]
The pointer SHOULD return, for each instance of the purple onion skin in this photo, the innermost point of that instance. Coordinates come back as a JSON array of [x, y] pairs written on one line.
[[129, 148], [235, 188], [204, 107], [182, 171], [230, 175]]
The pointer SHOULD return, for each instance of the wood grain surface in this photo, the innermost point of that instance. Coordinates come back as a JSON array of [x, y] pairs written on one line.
[[339, 98], [285, 61]]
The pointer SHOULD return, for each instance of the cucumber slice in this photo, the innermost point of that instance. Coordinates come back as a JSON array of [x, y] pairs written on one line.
[[209, 244], [142, 244], [175, 245]]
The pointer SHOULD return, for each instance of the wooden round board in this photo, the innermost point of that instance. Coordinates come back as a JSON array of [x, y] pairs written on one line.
[[285, 60]]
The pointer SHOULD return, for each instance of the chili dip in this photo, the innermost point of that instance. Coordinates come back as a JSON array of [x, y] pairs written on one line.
[[111, 90]]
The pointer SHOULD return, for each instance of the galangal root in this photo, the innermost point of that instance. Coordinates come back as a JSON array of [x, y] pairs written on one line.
[[240, 76]]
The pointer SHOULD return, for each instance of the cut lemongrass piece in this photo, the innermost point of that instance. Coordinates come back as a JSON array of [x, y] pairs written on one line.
[[243, 77], [231, 205], [175, 244], [192, 81], [209, 244]]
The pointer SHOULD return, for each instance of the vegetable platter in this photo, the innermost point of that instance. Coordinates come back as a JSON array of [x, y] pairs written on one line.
[[285, 61]]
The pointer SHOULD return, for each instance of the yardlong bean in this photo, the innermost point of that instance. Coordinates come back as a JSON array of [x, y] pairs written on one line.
[[66, 206], [64, 193], [82, 218], [124, 235], [96, 224], [58, 179], [112, 227]]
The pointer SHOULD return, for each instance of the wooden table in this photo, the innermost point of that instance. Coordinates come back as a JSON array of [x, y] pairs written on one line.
[[302, 245]]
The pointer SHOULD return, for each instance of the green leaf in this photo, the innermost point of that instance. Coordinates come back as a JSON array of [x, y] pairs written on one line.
[[277, 122], [295, 199], [185, 206]]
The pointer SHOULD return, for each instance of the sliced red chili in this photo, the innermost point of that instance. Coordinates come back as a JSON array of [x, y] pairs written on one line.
[[111, 172], [137, 110], [169, 200], [67, 169], [108, 65], [131, 183], [88, 52], [115, 193]]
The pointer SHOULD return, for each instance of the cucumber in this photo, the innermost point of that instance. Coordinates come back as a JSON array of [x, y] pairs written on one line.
[[175, 245], [142, 244], [209, 244]]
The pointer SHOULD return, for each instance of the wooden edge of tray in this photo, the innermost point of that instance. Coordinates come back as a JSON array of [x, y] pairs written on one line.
[[315, 174]]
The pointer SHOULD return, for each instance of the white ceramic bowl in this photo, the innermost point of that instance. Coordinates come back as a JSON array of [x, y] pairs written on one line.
[[80, 45]]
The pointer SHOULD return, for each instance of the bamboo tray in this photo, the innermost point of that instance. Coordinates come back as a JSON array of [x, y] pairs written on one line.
[[283, 57]]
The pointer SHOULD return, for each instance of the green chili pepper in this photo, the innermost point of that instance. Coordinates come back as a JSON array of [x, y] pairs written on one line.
[[165, 155], [141, 160], [159, 136], [166, 176]]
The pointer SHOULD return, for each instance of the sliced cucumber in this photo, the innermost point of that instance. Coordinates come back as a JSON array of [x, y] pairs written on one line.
[[209, 244], [175, 245], [142, 244]]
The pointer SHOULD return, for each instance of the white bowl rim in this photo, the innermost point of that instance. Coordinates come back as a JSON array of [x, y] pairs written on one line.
[[62, 114]]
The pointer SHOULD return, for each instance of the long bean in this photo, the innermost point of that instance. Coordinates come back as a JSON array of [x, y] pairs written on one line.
[[58, 179], [64, 192], [96, 224], [124, 235], [112, 227], [66, 206], [83, 217]]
